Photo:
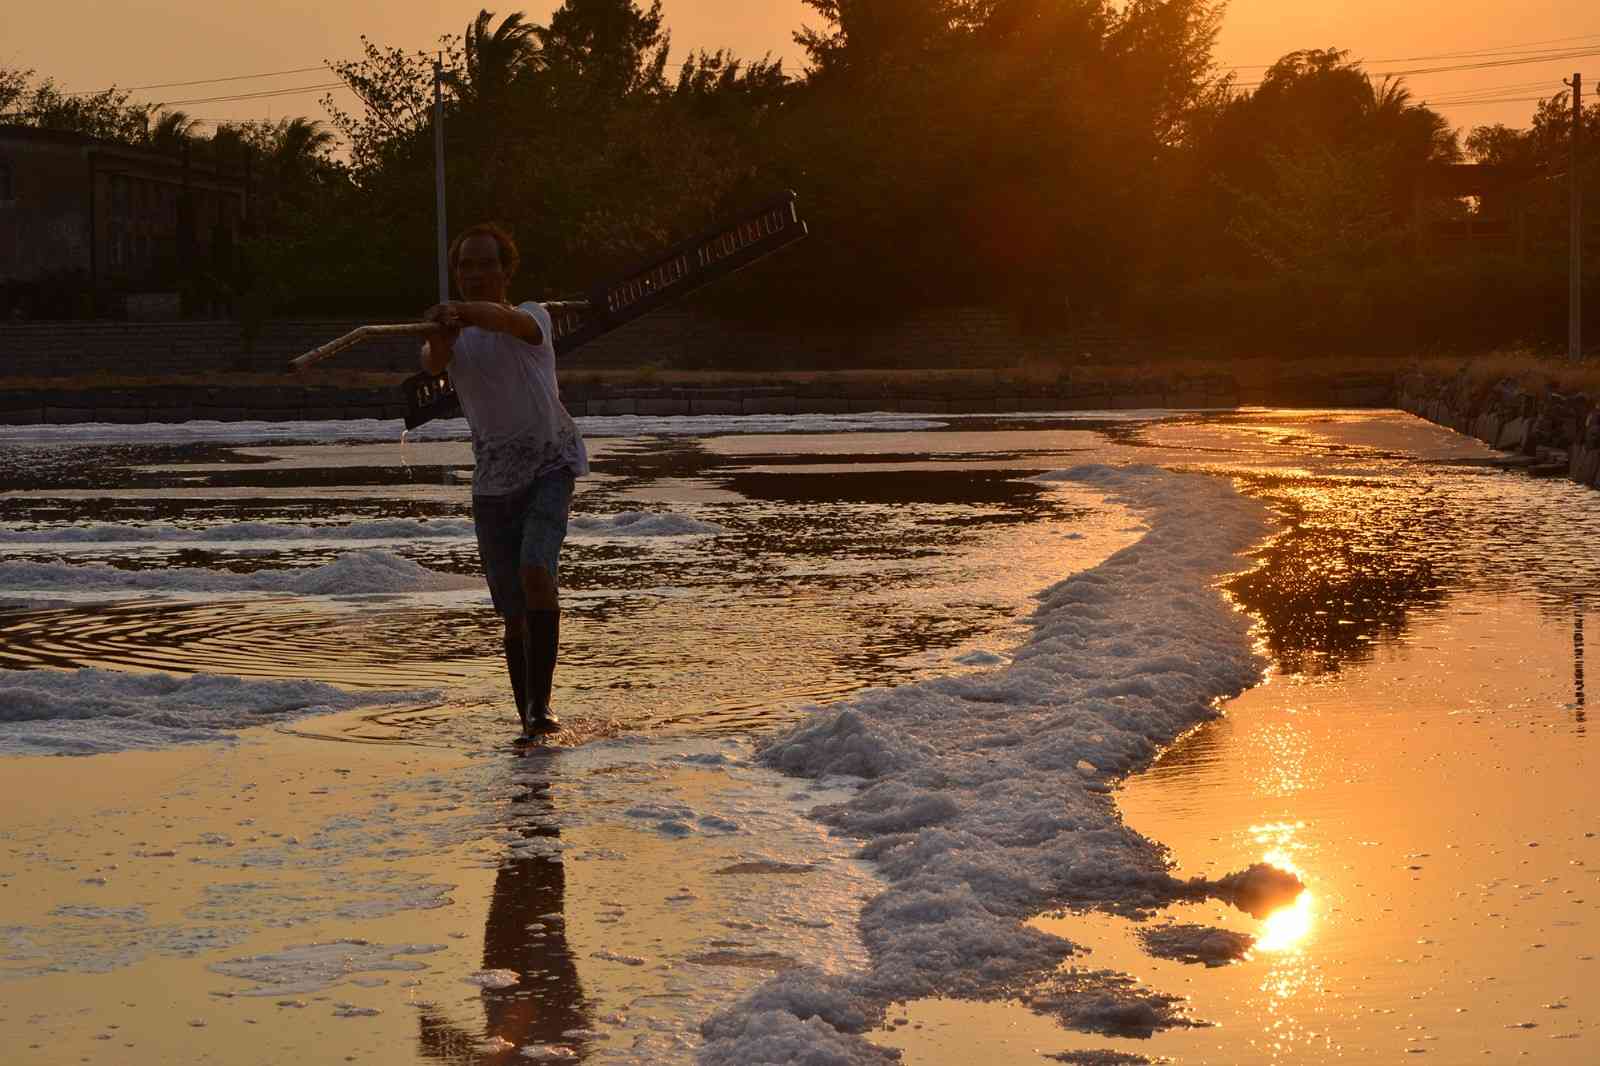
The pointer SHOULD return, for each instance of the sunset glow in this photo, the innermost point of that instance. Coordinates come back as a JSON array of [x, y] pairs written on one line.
[[139, 45]]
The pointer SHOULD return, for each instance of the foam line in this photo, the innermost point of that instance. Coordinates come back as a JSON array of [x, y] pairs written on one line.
[[984, 798], [384, 529], [353, 574], [89, 711]]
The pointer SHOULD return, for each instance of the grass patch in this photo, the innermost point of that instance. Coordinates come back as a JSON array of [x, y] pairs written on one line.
[[1536, 373]]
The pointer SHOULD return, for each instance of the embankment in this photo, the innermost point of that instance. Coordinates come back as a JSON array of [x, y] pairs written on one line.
[[973, 360], [643, 392], [1550, 432]]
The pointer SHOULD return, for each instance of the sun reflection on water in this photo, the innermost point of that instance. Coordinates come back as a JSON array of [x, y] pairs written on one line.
[[1289, 927]]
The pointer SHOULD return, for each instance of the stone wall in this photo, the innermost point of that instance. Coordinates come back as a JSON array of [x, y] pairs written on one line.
[[55, 353], [1549, 433], [973, 336], [974, 392]]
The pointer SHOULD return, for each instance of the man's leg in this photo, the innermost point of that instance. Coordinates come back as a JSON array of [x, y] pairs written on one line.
[[544, 529], [497, 521], [515, 645], [542, 640]]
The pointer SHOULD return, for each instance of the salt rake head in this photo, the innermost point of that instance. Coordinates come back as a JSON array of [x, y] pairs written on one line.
[[356, 336]]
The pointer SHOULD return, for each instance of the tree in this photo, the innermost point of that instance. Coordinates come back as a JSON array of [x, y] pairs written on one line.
[[170, 131], [107, 115], [1268, 164], [1326, 210], [13, 83], [1545, 144], [493, 59], [1500, 145], [608, 50], [865, 34], [395, 87]]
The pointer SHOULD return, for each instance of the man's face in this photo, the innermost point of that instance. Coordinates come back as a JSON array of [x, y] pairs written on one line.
[[479, 274]]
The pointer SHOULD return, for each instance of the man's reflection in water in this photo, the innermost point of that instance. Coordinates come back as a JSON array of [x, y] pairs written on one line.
[[1577, 662], [548, 1000]]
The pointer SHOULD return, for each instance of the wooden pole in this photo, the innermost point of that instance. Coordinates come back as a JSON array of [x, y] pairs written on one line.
[[1575, 241], [356, 336], [438, 181]]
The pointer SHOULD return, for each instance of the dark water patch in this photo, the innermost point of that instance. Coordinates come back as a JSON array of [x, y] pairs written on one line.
[[92, 466], [201, 511], [1360, 557], [901, 488], [1354, 560], [300, 477]]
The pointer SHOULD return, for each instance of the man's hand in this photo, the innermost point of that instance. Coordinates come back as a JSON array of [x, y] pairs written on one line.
[[446, 315], [440, 346], [484, 314]]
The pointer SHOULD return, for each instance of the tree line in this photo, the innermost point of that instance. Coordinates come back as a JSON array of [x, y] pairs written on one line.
[[1069, 159]]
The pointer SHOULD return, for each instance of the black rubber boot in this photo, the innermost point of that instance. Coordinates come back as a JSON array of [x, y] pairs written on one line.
[[517, 667], [542, 637]]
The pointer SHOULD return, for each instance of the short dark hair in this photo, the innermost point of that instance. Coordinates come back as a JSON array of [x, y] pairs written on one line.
[[510, 258]]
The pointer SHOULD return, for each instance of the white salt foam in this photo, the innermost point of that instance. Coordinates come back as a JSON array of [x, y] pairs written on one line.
[[88, 711], [493, 978], [313, 967], [385, 529], [975, 806], [370, 429], [1188, 942], [979, 657], [642, 524], [362, 573]]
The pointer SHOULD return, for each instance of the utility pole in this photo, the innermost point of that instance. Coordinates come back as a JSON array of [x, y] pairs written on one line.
[[438, 179], [1575, 249]]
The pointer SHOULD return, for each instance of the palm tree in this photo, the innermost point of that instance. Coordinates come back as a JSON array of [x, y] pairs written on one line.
[[300, 145], [1388, 97], [494, 59], [1415, 131], [171, 131]]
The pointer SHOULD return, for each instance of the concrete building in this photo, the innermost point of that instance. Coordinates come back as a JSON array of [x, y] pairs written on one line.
[[90, 226]]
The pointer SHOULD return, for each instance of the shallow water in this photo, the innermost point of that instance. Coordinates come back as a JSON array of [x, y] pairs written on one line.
[[1425, 723], [1420, 755], [815, 585]]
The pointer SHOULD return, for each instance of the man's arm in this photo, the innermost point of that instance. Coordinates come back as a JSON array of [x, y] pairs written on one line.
[[439, 348], [499, 318]]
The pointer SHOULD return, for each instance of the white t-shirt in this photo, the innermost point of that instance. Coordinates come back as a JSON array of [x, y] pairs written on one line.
[[508, 390]]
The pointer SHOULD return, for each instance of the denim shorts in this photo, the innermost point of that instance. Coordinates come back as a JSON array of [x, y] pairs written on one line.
[[522, 528]]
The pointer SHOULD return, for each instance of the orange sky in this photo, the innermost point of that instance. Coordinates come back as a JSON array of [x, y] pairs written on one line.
[[94, 44]]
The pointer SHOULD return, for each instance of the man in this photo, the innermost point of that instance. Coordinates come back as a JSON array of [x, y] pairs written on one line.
[[526, 450]]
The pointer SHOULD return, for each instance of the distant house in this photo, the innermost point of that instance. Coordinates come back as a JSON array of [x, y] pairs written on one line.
[[122, 229]]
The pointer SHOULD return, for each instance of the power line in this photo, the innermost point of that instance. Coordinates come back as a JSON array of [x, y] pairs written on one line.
[[1487, 65], [265, 94], [1512, 49], [202, 81], [1472, 98], [1506, 89], [1475, 103]]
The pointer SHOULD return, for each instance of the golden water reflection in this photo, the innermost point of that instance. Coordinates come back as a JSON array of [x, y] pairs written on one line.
[[1288, 928]]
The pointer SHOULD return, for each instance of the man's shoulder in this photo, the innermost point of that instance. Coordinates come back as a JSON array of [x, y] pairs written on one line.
[[539, 314]]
